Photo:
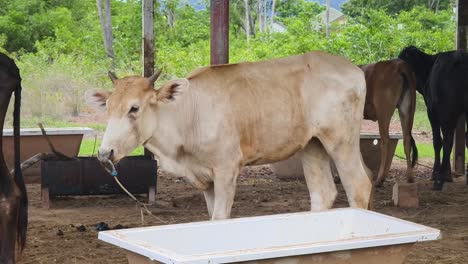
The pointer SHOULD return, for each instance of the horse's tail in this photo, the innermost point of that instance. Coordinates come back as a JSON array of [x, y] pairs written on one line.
[[19, 180], [409, 89]]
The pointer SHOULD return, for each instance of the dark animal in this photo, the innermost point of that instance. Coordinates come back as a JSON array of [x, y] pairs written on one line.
[[442, 79], [13, 197], [391, 84]]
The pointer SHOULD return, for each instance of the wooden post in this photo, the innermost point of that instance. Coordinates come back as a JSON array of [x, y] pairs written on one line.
[[459, 142], [219, 39], [148, 43], [148, 37], [148, 63]]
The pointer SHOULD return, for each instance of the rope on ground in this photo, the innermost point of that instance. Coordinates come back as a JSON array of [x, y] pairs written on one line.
[[420, 164], [143, 207], [428, 166]]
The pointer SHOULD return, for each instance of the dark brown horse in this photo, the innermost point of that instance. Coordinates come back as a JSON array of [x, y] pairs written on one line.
[[391, 84], [13, 197]]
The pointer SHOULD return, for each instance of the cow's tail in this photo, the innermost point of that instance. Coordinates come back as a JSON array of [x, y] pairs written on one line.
[[19, 180], [409, 89]]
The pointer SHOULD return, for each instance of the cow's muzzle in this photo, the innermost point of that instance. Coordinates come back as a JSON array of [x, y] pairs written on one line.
[[105, 155]]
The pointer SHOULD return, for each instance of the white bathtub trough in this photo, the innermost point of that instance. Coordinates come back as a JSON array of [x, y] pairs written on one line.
[[336, 236]]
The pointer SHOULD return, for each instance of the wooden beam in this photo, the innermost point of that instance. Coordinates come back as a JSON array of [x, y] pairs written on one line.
[[148, 37], [219, 39], [148, 42], [459, 142]]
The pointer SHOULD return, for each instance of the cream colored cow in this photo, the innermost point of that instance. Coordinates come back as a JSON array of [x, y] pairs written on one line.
[[207, 126]]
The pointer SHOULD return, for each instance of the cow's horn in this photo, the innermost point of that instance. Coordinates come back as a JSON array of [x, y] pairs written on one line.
[[112, 76], [155, 76]]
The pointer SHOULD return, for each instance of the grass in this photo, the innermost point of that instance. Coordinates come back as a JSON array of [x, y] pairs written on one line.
[[31, 122], [89, 147], [425, 150]]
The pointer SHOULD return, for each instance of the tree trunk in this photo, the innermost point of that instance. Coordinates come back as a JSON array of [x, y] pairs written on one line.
[[106, 25], [260, 15], [272, 14], [264, 15], [170, 18], [247, 21], [327, 19], [252, 23]]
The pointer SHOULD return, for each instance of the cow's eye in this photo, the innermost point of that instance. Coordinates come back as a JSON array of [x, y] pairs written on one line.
[[134, 109]]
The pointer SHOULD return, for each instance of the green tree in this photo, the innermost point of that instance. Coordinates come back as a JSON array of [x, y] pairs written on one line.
[[360, 7]]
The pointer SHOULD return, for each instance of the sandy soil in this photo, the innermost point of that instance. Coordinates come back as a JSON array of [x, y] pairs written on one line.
[[54, 238]]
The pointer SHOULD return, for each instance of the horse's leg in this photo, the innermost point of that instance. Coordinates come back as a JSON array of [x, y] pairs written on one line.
[[406, 113], [436, 142]]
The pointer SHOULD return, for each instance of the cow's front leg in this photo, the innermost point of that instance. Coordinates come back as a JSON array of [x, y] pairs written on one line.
[[209, 198], [224, 192]]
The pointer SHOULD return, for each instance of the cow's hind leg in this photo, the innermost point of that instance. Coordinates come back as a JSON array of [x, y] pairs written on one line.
[[436, 142], [384, 123], [406, 113], [319, 179], [346, 154], [445, 169], [224, 191]]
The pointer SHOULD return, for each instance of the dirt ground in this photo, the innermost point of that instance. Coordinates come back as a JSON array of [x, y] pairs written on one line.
[[54, 238]]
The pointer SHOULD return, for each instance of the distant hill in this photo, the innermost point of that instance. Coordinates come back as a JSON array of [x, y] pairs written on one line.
[[200, 4]]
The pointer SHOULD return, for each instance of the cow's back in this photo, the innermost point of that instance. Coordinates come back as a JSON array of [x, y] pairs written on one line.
[[384, 79], [273, 108], [448, 82]]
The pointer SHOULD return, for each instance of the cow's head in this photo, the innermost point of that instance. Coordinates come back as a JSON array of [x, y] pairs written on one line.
[[420, 62], [412, 55], [131, 108]]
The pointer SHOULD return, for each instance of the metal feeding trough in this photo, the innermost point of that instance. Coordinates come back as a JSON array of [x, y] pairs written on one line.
[[67, 140], [370, 150], [86, 176], [338, 236]]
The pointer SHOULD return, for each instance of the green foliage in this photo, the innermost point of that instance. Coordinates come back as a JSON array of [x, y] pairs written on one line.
[[298, 9], [360, 7], [58, 44]]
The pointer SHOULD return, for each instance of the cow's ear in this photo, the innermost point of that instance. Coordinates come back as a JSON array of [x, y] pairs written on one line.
[[97, 99], [171, 90]]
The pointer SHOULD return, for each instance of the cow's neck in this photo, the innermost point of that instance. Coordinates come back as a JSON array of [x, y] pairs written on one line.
[[422, 73], [170, 146]]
